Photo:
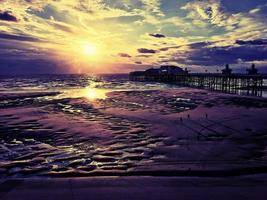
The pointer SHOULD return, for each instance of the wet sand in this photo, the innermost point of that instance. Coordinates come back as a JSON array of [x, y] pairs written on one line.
[[176, 132]]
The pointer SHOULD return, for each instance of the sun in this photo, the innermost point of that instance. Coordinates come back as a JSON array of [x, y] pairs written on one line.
[[89, 49]]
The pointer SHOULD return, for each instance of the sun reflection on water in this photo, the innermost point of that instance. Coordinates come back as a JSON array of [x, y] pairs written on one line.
[[94, 93], [90, 93]]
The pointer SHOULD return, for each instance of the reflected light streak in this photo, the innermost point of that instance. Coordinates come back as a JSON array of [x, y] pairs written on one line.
[[94, 93]]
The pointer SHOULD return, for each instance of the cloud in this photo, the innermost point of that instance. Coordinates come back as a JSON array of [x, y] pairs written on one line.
[[143, 56], [153, 7], [7, 16], [157, 35], [63, 27], [22, 38], [209, 11], [144, 50], [124, 55], [138, 63], [170, 47], [252, 42]]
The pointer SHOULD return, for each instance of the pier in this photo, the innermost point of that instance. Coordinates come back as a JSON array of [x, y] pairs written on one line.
[[247, 84]]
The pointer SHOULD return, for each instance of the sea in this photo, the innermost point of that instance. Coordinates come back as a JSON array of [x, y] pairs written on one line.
[[63, 82], [68, 83]]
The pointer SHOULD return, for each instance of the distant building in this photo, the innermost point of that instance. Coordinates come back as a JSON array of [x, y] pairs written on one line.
[[227, 70], [166, 69], [170, 69], [137, 76], [152, 71], [252, 70], [163, 70]]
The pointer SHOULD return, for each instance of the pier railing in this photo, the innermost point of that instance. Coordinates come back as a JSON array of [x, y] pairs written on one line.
[[229, 83]]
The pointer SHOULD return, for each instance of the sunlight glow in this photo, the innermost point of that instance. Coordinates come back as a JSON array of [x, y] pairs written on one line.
[[89, 49]]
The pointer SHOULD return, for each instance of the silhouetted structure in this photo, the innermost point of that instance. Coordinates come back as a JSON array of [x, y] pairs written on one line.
[[165, 70], [252, 70], [227, 70], [251, 83]]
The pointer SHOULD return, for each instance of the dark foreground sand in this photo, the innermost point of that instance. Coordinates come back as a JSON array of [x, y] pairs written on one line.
[[136, 188]]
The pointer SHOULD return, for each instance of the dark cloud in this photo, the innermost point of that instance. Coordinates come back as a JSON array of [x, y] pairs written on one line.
[[192, 45], [157, 35], [144, 56], [23, 38], [63, 27], [203, 55], [138, 63], [31, 66], [198, 45], [168, 48], [124, 55], [7, 16], [144, 50], [252, 42], [164, 49], [245, 6]]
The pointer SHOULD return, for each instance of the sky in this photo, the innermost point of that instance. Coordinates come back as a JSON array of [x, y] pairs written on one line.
[[118, 36]]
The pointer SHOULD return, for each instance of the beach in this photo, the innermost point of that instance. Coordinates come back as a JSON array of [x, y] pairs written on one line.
[[169, 131], [154, 136]]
